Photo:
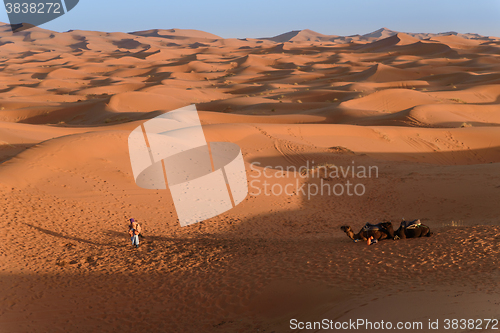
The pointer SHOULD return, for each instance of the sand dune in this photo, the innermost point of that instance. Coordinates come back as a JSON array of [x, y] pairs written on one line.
[[305, 35], [391, 100], [381, 33], [424, 109], [397, 39], [176, 34]]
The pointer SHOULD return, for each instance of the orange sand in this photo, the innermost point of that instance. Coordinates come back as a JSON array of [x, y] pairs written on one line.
[[422, 108]]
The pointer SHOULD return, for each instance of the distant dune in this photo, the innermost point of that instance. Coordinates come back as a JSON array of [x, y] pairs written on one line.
[[307, 35], [176, 33]]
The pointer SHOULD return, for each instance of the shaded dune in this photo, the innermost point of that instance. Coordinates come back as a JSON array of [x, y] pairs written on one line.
[[389, 42], [382, 73], [176, 34]]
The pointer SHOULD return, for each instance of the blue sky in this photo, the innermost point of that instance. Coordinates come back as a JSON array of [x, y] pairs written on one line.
[[259, 18]]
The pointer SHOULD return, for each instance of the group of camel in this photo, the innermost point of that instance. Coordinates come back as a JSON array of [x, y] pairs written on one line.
[[384, 230]]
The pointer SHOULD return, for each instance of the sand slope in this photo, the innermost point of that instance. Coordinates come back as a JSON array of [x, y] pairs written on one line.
[[424, 109]]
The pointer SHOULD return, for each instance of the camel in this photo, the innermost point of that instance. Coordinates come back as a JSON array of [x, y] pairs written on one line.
[[412, 229], [379, 231]]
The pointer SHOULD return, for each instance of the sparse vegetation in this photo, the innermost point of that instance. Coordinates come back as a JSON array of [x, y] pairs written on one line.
[[340, 149]]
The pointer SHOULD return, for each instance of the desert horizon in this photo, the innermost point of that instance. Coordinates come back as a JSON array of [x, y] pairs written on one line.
[[418, 112], [288, 36]]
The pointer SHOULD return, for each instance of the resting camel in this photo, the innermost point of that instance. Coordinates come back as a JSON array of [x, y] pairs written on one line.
[[412, 229], [379, 231]]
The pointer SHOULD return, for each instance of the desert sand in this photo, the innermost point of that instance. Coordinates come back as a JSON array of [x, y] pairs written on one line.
[[423, 108]]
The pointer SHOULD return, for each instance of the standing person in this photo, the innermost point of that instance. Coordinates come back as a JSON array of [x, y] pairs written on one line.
[[138, 227], [134, 230]]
